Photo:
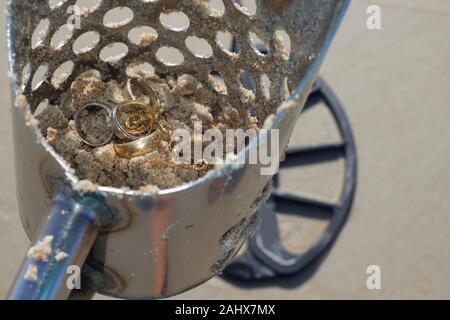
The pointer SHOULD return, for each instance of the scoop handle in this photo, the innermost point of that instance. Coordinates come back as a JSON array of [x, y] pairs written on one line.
[[52, 266]]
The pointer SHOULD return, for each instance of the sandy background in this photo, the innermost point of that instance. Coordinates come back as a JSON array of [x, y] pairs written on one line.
[[394, 85]]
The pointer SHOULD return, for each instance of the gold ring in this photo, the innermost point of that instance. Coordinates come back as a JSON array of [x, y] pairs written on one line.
[[147, 90], [133, 120], [138, 147]]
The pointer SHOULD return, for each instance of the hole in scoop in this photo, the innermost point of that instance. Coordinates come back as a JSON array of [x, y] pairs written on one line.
[[199, 47], [87, 6], [26, 75], [247, 81], [62, 73], [217, 82], [118, 17], [114, 52], [40, 76], [246, 6], [62, 36], [86, 42], [283, 43], [40, 33], [140, 70], [142, 36], [44, 104], [227, 42], [216, 7], [175, 21], [170, 56], [53, 4], [265, 86], [258, 45]]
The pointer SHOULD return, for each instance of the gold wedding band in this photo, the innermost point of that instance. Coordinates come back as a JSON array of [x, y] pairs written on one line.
[[147, 90], [138, 147], [133, 120]]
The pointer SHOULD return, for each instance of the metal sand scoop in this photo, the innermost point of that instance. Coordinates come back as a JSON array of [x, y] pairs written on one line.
[[141, 245]]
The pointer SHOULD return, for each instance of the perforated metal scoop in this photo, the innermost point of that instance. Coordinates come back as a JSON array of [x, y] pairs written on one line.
[[152, 245]]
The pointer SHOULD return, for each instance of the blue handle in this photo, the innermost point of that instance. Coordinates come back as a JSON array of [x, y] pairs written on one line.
[[58, 251]]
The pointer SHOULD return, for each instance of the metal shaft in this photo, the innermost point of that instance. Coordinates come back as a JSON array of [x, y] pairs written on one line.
[[52, 267]]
